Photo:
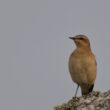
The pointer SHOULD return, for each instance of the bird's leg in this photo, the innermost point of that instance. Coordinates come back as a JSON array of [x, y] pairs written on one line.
[[76, 90]]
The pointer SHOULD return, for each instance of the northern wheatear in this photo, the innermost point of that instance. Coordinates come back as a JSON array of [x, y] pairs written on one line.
[[82, 65]]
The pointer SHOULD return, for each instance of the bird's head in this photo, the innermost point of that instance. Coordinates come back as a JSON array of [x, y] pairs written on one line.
[[81, 41]]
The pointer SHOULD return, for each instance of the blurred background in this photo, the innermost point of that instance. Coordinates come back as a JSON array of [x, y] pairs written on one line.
[[34, 49]]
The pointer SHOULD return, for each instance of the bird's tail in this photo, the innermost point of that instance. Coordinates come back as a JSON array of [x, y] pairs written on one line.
[[86, 89]]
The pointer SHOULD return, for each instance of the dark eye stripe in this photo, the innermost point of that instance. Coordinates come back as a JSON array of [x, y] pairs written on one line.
[[81, 38]]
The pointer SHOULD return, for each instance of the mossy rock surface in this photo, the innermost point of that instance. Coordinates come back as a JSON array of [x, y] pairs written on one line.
[[94, 101]]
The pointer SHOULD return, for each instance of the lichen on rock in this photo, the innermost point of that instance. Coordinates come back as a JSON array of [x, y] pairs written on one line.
[[93, 101]]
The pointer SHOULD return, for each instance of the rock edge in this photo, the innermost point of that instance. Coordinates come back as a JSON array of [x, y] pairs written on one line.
[[94, 101]]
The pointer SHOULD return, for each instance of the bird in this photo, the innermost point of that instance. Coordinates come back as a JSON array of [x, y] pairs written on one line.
[[83, 65]]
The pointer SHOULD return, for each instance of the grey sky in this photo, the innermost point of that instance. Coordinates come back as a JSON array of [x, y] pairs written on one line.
[[34, 49]]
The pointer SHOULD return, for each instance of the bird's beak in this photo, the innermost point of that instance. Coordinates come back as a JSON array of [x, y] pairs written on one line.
[[73, 38]]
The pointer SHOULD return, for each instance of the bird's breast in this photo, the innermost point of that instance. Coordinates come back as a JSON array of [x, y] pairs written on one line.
[[82, 68]]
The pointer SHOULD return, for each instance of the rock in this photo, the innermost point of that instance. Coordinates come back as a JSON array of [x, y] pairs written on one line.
[[92, 101]]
